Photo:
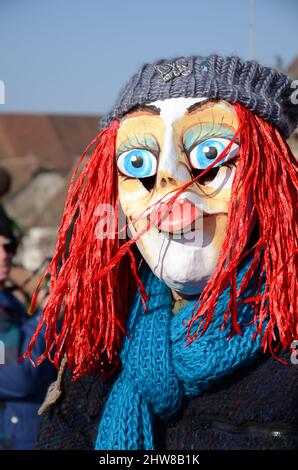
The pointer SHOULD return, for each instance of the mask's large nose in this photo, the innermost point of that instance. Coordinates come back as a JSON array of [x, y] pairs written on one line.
[[177, 216], [172, 172], [171, 176]]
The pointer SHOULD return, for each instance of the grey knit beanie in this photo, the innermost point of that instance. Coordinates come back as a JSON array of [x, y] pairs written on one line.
[[263, 90]]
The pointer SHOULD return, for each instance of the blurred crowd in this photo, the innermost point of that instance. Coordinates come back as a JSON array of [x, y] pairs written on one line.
[[22, 386]]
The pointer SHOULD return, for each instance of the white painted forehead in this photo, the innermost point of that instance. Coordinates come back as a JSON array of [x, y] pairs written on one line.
[[172, 109]]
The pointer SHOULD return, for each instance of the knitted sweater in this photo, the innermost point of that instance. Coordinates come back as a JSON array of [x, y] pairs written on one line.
[[255, 408]]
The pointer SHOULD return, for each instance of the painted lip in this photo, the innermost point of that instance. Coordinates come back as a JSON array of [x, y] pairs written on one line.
[[5, 267], [179, 217]]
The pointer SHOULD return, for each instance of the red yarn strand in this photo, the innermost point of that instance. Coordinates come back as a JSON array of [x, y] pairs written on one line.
[[93, 279]]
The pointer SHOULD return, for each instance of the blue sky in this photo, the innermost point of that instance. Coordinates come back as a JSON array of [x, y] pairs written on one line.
[[72, 56]]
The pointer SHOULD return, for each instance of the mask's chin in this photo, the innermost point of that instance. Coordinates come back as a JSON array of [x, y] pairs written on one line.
[[188, 288], [184, 268], [185, 283]]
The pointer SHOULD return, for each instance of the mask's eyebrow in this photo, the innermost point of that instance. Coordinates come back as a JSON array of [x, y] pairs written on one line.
[[203, 104], [148, 109]]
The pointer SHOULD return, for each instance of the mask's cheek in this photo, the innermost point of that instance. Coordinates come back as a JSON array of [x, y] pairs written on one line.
[[217, 199], [214, 231], [133, 196], [216, 194]]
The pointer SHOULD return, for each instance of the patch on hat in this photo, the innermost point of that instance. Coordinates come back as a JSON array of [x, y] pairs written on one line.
[[204, 65], [175, 69]]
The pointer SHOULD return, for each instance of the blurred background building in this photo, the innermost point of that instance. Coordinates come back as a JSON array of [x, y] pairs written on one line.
[[40, 152]]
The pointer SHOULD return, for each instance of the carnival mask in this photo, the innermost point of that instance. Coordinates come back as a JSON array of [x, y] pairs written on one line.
[[160, 147]]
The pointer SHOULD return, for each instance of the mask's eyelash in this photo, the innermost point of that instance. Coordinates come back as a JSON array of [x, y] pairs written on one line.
[[137, 139], [213, 133], [231, 162]]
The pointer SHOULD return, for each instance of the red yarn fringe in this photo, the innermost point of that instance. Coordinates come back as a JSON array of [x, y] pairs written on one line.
[[94, 312], [92, 279], [266, 172]]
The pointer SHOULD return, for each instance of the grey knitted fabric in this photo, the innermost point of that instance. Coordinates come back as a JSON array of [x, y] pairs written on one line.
[[263, 90]]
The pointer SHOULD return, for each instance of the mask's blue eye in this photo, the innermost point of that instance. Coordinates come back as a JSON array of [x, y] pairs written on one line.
[[137, 163], [205, 152]]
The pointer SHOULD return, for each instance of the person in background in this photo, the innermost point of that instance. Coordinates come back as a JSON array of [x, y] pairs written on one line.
[[22, 387], [5, 184]]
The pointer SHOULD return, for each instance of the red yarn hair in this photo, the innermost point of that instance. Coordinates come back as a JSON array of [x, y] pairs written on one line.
[[92, 279]]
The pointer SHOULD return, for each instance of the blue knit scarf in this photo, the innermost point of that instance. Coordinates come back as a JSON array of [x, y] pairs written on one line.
[[158, 370]]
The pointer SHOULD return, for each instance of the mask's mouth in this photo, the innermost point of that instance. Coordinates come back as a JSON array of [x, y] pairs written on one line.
[[180, 217]]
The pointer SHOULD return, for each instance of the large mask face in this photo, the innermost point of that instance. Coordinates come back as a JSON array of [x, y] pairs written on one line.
[[159, 148]]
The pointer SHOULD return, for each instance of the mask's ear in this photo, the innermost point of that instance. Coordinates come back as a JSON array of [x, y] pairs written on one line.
[[94, 300], [267, 169]]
